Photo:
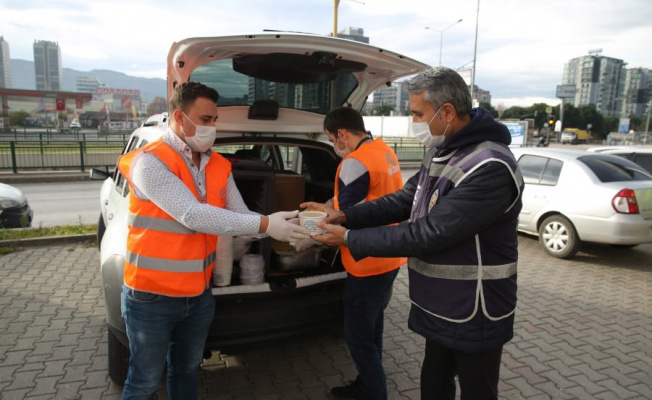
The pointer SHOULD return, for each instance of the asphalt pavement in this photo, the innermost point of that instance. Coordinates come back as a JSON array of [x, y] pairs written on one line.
[[582, 332]]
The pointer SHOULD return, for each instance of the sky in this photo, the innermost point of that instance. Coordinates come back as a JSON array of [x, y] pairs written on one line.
[[520, 51]]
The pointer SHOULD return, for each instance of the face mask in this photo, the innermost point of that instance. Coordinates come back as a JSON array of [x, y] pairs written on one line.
[[342, 153], [203, 139], [421, 131]]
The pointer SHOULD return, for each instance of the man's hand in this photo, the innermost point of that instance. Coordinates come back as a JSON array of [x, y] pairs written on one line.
[[334, 235], [283, 226], [334, 216]]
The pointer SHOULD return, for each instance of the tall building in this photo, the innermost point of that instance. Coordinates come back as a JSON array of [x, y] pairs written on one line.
[[636, 94], [351, 33], [47, 65], [395, 96], [598, 80], [87, 84], [5, 64]]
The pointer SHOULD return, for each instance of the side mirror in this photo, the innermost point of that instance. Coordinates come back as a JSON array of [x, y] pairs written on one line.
[[100, 173]]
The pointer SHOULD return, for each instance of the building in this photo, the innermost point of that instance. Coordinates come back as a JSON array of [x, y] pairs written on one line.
[[47, 65], [636, 93], [395, 96], [351, 33], [598, 80], [87, 84], [5, 64]]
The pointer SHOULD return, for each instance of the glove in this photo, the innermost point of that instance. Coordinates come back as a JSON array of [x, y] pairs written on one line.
[[302, 245], [281, 229]]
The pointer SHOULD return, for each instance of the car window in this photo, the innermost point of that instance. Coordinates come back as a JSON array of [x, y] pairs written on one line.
[[236, 88], [551, 172], [644, 160], [614, 169], [119, 178], [540, 170], [532, 168]]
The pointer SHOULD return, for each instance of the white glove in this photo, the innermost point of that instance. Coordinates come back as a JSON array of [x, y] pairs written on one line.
[[304, 244], [281, 229]]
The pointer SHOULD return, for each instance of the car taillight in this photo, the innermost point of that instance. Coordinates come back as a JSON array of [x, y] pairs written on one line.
[[625, 202]]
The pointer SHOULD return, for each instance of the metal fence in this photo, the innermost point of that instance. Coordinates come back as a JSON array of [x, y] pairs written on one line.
[[53, 151], [25, 151]]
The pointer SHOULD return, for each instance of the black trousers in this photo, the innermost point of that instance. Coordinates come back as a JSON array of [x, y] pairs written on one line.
[[478, 373]]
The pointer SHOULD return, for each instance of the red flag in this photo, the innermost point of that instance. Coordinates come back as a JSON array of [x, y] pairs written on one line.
[[79, 104], [61, 105]]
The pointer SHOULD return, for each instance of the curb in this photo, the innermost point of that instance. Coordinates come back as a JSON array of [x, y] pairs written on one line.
[[44, 177], [49, 241]]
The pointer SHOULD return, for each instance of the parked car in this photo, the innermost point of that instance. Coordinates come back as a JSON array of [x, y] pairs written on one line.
[[275, 89], [75, 126], [641, 155], [15, 212], [573, 196]]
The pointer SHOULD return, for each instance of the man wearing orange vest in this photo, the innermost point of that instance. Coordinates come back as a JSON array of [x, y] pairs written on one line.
[[369, 170], [182, 197]]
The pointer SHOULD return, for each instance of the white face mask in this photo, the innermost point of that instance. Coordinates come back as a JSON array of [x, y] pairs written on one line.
[[421, 131], [203, 139], [342, 153]]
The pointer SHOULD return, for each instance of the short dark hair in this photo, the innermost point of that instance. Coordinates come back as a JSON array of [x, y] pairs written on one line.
[[186, 93], [344, 118]]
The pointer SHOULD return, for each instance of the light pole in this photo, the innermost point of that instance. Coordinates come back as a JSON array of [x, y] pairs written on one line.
[[475, 51], [336, 4], [441, 35]]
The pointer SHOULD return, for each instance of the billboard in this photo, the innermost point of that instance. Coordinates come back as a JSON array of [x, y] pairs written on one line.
[[518, 130]]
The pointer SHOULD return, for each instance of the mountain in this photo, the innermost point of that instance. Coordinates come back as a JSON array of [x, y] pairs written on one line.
[[22, 72]]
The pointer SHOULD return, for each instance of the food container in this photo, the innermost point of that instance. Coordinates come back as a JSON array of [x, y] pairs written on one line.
[[241, 246], [291, 260]]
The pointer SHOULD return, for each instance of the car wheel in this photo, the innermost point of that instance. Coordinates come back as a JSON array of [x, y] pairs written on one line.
[[118, 358], [558, 237], [101, 228]]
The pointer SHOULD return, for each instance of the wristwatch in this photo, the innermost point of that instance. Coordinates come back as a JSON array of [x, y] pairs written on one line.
[[346, 237]]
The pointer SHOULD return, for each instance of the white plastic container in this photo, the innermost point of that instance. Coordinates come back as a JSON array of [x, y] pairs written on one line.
[[223, 261], [252, 269]]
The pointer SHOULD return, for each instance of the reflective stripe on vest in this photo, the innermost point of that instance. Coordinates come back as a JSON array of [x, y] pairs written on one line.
[[158, 224], [167, 265], [384, 178], [462, 272]]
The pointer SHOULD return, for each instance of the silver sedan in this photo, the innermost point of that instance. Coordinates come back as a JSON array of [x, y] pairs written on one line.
[[573, 196]]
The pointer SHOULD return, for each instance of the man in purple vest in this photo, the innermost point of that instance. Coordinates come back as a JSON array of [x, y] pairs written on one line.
[[460, 236]]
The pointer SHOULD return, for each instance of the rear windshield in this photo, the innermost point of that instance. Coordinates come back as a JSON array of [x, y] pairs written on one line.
[[614, 169], [237, 89]]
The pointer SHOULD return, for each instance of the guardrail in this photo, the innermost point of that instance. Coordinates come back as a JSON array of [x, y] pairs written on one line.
[[34, 151]]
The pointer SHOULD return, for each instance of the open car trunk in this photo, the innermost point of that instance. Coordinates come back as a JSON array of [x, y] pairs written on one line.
[[271, 186]]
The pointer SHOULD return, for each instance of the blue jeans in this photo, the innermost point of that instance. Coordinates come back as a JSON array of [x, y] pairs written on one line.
[[159, 328], [364, 304]]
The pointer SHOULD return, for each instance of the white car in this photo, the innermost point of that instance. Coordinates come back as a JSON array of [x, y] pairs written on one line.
[[641, 155], [275, 89], [573, 196]]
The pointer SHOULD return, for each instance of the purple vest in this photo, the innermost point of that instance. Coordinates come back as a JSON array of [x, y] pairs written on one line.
[[478, 274]]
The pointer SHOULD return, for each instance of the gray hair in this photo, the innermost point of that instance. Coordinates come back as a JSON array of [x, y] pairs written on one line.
[[442, 85]]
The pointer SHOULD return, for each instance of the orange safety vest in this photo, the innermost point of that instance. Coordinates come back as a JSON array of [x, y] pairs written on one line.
[[384, 178], [164, 256]]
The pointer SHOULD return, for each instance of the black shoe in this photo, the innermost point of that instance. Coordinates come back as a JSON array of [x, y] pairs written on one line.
[[351, 391]]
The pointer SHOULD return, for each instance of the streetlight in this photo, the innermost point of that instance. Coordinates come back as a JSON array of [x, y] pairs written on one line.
[[475, 51], [441, 35]]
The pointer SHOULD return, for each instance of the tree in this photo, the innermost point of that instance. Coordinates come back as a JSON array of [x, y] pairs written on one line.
[[18, 118], [382, 110], [157, 105], [487, 106]]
